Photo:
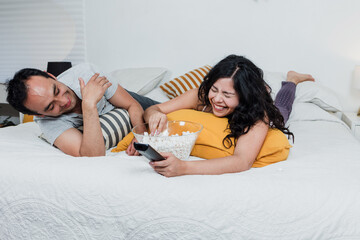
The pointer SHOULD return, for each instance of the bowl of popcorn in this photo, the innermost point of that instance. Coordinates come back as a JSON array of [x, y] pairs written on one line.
[[178, 137]]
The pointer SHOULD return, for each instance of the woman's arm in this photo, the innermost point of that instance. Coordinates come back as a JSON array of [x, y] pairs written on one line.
[[246, 150], [156, 114]]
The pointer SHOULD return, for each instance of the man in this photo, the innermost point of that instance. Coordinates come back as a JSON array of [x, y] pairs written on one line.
[[76, 99]]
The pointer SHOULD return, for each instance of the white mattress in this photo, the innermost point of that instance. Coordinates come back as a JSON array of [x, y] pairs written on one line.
[[315, 194]]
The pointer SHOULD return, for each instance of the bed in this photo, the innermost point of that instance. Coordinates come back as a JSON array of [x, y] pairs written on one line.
[[314, 194]]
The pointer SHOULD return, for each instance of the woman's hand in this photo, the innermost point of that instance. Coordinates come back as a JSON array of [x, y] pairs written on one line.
[[156, 115], [170, 167], [157, 122]]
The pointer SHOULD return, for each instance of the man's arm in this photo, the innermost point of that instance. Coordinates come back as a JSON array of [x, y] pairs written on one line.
[[122, 99], [90, 142], [69, 142]]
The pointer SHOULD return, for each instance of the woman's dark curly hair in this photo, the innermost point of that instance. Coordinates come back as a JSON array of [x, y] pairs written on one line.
[[255, 102]]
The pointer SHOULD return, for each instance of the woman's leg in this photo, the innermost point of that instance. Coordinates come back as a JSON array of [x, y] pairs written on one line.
[[285, 97], [145, 102]]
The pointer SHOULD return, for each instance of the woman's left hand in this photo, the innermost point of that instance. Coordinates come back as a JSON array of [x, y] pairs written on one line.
[[170, 167]]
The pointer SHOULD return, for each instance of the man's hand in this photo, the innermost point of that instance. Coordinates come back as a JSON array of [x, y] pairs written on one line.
[[92, 143], [94, 90], [131, 151]]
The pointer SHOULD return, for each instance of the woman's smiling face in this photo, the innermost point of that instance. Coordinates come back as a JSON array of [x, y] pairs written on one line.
[[223, 97]]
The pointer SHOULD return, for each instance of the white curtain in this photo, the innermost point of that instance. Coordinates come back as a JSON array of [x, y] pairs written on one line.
[[34, 32]]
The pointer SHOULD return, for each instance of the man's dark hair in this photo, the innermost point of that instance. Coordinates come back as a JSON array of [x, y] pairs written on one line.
[[17, 89]]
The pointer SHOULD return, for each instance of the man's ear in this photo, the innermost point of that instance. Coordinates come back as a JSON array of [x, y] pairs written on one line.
[[51, 75]]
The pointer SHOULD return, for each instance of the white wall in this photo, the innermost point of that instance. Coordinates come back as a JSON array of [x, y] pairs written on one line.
[[35, 32], [321, 37]]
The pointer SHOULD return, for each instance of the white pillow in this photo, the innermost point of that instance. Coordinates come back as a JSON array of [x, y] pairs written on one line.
[[138, 80], [302, 111], [311, 92], [157, 94], [322, 96]]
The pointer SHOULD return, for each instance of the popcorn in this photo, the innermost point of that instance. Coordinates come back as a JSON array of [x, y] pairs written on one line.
[[178, 138], [180, 146]]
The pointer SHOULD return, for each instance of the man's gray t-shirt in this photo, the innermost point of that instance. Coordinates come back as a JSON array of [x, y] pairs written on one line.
[[53, 127]]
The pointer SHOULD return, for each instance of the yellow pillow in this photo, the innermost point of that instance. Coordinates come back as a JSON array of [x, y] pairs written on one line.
[[124, 143], [28, 118], [188, 81], [209, 144]]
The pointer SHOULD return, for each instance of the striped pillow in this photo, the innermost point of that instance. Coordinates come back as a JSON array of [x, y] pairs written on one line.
[[190, 80], [115, 125]]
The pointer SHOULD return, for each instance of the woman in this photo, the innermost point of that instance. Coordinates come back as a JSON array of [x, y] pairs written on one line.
[[235, 89]]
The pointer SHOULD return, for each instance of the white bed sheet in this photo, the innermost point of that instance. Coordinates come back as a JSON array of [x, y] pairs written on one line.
[[315, 194]]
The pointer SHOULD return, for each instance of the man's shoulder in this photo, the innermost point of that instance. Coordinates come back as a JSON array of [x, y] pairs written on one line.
[[81, 67], [83, 70]]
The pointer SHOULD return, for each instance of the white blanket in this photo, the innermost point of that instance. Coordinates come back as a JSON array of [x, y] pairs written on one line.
[[315, 194]]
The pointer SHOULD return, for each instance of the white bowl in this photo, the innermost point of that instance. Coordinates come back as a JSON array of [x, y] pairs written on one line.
[[178, 137]]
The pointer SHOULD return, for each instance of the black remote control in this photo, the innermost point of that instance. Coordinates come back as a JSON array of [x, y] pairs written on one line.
[[147, 151]]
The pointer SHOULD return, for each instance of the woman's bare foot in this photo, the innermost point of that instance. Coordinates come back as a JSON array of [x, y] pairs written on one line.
[[296, 77]]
